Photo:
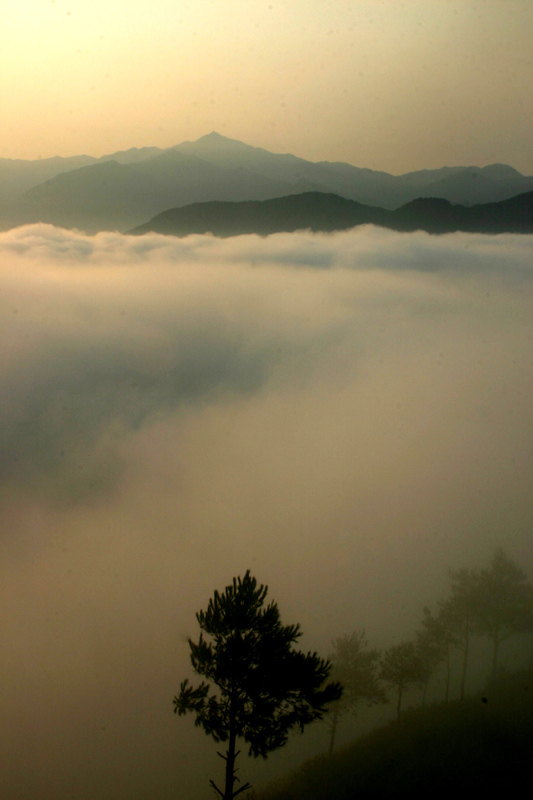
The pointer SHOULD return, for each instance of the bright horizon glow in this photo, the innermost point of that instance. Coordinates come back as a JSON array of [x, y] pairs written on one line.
[[384, 85]]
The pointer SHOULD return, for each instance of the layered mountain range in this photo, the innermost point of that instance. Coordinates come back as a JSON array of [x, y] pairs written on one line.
[[124, 190]]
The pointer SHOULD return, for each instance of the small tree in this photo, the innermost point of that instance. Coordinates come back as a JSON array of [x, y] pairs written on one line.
[[434, 642], [402, 668], [460, 612], [354, 665], [258, 687], [505, 605]]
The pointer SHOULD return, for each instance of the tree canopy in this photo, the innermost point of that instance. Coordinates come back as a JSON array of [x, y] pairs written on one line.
[[354, 665], [459, 613], [258, 687], [434, 642], [505, 605], [401, 667]]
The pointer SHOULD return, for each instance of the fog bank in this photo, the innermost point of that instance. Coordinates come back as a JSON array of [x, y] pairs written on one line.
[[346, 415]]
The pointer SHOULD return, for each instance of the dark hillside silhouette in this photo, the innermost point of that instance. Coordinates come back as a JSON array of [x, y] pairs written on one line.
[[313, 210], [465, 749], [328, 212]]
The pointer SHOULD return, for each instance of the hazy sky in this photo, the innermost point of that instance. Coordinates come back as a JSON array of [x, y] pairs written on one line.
[[346, 415], [378, 83]]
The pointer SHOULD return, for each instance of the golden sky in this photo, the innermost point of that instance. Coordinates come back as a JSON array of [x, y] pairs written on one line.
[[379, 83]]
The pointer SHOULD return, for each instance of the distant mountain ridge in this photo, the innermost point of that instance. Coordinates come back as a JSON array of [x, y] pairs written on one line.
[[317, 211], [124, 189]]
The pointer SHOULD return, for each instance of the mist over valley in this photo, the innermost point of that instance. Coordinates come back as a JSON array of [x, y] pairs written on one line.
[[347, 415]]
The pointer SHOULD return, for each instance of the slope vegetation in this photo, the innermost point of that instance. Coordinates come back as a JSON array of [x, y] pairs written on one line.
[[482, 744]]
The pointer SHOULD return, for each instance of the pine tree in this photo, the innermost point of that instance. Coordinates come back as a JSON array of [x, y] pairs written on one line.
[[402, 668], [258, 687], [354, 665], [460, 611], [434, 643], [505, 605]]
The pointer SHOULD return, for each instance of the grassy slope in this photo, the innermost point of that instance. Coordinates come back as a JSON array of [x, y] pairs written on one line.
[[462, 748]]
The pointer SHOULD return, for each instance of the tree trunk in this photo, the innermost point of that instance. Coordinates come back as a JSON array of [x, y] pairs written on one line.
[[231, 754], [465, 663], [496, 646], [230, 765], [425, 691], [448, 670], [334, 722], [399, 707]]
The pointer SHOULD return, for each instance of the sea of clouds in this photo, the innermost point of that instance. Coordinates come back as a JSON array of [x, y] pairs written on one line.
[[347, 415]]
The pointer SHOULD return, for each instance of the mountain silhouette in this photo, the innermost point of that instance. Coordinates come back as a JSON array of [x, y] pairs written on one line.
[[124, 189], [318, 211]]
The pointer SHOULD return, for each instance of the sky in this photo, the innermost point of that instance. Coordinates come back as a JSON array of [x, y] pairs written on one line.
[[346, 415], [383, 84]]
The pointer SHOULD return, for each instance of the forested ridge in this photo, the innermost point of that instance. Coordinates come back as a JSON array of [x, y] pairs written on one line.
[[463, 747], [459, 741], [450, 735]]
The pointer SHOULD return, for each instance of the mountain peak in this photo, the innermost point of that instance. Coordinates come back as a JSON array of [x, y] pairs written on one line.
[[212, 137], [215, 140], [500, 171]]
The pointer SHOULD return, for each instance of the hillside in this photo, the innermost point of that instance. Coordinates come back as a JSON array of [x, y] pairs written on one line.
[[317, 211], [462, 749]]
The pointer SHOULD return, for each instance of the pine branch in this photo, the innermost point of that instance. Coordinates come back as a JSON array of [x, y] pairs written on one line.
[[215, 787], [243, 788]]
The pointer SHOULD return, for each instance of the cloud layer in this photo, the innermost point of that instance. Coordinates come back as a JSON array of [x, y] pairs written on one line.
[[347, 415]]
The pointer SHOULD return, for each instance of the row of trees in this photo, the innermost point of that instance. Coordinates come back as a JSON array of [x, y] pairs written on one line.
[[258, 687], [496, 602]]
